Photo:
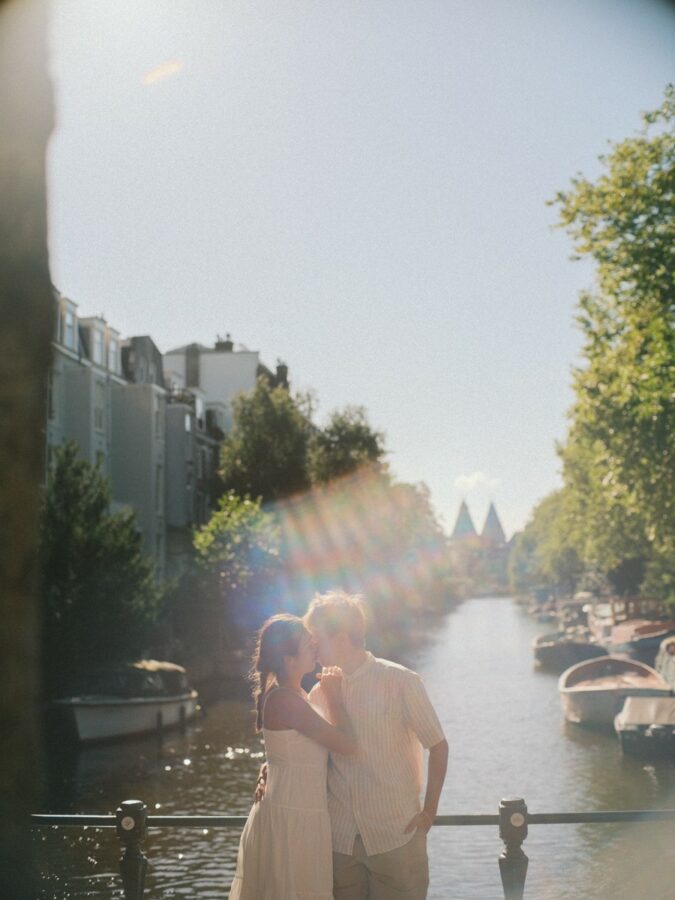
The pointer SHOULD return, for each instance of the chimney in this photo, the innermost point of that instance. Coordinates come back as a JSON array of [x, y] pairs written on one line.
[[282, 374], [225, 346], [192, 366]]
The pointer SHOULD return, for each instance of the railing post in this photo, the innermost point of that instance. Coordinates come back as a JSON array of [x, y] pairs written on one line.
[[513, 861], [131, 827]]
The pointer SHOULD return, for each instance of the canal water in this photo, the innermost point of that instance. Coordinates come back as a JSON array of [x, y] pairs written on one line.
[[507, 737]]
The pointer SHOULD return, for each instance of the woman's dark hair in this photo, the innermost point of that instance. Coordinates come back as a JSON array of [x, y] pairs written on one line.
[[278, 637]]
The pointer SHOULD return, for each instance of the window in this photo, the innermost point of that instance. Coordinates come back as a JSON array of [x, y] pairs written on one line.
[[201, 463], [52, 393], [188, 424], [159, 488], [98, 347], [158, 417], [99, 406], [69, 330], [100, 459], [112, 355]]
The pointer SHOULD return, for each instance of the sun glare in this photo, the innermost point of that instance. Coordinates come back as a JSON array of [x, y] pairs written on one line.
[[165, 70]]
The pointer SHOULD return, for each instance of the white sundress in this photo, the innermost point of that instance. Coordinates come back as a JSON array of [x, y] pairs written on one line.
[[285, 851]]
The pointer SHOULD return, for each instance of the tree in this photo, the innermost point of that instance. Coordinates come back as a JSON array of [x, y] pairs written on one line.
[[346, 444], [99, 594], [239, 541], [223, 595], [543, 555], [618, 463], [265, 454]]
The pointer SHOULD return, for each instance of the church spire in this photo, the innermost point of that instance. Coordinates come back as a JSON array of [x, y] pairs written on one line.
[[464, 526], [492, 530]]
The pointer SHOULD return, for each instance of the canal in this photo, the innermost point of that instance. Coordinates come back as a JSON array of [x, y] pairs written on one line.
[[506, 735]]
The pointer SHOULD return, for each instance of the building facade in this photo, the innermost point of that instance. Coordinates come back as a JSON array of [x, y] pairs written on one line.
[[85, 368], [219, 373], [153, 424]]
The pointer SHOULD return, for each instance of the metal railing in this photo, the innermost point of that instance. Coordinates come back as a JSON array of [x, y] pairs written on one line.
[[132, 821]]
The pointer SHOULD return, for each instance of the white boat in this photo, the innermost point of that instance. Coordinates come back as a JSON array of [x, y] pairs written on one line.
[[665, 661], [134, 699], [593, 692]]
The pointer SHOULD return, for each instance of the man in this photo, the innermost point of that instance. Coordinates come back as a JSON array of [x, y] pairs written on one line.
[[379, 830]]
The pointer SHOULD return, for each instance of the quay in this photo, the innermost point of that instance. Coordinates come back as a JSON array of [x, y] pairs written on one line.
[[131, 823]]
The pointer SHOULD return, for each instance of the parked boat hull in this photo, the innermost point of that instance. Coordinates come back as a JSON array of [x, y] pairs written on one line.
[[642, 649], [647, 727], [600, 708], [593, 692], [98, 719], [555, 653]]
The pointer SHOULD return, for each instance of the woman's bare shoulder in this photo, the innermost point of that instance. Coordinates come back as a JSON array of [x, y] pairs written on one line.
[[280, 707]]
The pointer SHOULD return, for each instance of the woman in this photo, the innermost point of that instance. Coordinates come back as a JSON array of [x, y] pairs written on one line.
[[285, 852]]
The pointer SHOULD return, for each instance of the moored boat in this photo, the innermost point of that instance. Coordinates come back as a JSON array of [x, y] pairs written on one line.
[[125, 700], [665, 661], [646, 726], [639, 639], [559, 650], [593, 692]]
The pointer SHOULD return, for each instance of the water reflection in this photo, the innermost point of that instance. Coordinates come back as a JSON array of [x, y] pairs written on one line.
[[506, 734]]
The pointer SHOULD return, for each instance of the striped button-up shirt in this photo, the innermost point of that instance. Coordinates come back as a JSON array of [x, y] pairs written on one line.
[[376, 791]]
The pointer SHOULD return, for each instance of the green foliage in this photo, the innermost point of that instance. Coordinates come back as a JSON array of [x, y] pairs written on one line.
[[618, 463], [99, 594], [239, 541], [346, 444], [265, 454], [543, 555]]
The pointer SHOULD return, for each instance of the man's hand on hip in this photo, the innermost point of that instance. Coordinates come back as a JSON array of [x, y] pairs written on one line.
[[421, 822]]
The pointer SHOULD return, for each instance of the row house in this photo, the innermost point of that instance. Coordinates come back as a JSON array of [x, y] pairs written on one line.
[[217, 374], [153, 424], [85, 368], [115, 413]]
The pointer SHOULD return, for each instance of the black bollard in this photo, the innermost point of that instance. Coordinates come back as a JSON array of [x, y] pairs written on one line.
[[513, 861], [131, 827]]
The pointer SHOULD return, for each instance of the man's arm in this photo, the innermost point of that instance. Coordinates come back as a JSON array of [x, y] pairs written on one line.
[[438, 764]]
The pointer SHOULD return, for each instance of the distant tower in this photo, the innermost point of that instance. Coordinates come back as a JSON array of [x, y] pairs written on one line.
[[492, 530], [464, 527]]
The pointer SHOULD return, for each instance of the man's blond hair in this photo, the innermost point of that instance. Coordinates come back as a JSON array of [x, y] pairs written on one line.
[[337, 611]]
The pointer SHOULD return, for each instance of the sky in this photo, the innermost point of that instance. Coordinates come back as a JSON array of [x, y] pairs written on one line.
[[359, 189]]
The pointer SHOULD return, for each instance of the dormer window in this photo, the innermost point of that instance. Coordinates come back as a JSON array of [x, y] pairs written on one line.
[[98, 347], [112, 355], [69, 330]]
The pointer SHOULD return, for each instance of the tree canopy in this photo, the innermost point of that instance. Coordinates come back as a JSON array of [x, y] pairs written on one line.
[[345, 444], [618, 458], [543, 554], [99, 591], [265, 453]]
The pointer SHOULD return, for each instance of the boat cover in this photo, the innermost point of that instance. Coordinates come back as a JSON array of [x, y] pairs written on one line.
[[647, 711], [665, 661]]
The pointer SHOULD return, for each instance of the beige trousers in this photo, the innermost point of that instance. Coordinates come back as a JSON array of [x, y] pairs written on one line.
[[401, 874]]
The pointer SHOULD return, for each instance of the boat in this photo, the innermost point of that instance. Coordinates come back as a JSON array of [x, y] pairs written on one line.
[[135, 698], [558, 650], [665, 661], [593, 692], [639, 639], [646, 726], [605, 614]]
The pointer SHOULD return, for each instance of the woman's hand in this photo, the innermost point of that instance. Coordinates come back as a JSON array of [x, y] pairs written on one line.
[[331, 683], [261, 784]]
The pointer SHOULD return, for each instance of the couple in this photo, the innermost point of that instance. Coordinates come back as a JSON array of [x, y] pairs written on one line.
[[340, 815]]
